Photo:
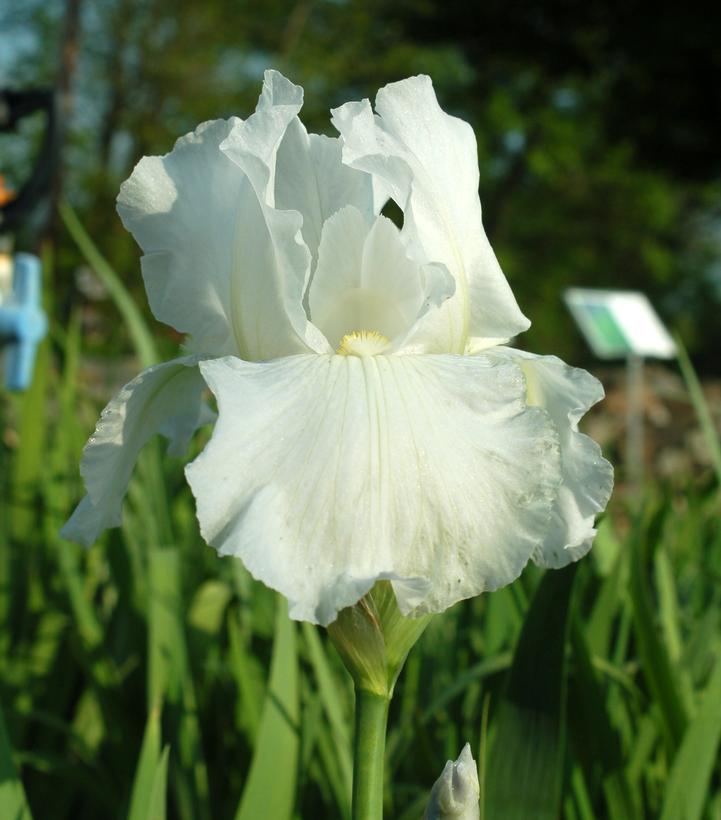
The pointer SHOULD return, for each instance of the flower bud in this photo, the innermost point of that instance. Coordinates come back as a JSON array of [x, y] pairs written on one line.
[[455, 794]]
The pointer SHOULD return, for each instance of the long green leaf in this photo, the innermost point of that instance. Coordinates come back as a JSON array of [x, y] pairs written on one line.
[[28, 463], [657, 666], [711, 434], [13, 803], [170, 680], [158, 796], [145, 772], [270, 788], [688, 786], [596, 741], [330, 695], [137, 327], [525, 766]]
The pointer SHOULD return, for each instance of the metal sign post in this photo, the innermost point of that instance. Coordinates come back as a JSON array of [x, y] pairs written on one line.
[[634, 421], [621, 324]]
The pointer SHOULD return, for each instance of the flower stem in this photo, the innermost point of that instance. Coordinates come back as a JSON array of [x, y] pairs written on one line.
[[371, 716]]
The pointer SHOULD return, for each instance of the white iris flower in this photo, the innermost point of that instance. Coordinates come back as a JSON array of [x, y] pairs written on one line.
[[371, 425]]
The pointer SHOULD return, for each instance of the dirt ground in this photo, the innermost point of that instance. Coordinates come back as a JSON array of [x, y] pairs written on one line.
[[674, 445]]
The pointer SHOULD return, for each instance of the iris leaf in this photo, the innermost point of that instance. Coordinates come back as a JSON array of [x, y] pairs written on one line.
[[13, 803], [525, 766], [270, 787]]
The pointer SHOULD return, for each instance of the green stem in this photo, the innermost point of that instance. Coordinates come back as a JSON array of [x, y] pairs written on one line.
[[371, 716]]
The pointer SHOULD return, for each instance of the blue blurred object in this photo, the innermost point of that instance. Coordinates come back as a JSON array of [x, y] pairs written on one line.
[[23, 323]]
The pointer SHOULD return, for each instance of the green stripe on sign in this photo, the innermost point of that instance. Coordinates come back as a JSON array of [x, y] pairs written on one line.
[[606, 330]]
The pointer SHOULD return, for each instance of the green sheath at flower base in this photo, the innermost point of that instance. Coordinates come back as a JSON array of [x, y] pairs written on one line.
[[373, 638]]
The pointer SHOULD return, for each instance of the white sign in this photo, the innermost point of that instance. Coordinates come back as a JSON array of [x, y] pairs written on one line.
[[619, 323]]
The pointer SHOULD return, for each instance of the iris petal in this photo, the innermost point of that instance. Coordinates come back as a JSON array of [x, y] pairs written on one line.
[[366, 282], [220, 262], [166, 398], [311, 178], [566, 393], [428, 160], [427, 470]]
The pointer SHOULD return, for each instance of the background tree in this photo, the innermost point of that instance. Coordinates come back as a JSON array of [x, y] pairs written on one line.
[[597, 123]]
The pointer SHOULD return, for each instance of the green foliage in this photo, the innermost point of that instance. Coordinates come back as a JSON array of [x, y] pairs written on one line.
[[529, 727], [13, 803], [597, 148], [270, 785], [148, 675]]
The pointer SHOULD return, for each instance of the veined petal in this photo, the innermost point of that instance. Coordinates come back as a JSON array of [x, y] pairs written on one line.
[[310, 178], [253, 145], [566, 393], [427, 470], [429, 161], [366, 282], [220, 263], [166, 398], [270, 277], [182, 209]]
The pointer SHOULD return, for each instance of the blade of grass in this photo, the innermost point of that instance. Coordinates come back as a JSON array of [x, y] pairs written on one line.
[[29, 457], [657, 666], [333, 706], [270, 788], [670, 617], [145, 772], [596, 739], [137, 328], [158, 796], [248, 676], [13, 803], [170, 680], [711, 434], [59, 493], [688, 785], [525, 767]]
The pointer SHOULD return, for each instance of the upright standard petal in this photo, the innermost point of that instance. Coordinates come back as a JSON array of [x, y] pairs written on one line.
[[220, 263], [310, 178], [426, 470], [566, 393], [165, 398], [429, 161], [366, 283]]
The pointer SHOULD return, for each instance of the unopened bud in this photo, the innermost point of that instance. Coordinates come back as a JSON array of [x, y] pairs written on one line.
[[455, 794]]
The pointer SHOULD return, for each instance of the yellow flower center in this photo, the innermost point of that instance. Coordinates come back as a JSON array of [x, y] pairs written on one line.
[[362, 343]]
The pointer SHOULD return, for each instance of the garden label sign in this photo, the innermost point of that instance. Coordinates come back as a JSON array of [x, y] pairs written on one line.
[[623, 324], [618, 324]]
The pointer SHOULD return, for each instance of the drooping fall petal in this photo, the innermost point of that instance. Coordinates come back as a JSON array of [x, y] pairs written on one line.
[[426, 470], [165, 398], [566, 393]]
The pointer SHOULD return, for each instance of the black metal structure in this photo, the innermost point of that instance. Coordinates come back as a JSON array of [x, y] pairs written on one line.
[[15, 105]]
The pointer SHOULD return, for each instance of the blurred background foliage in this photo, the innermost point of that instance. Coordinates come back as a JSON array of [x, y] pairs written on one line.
[[598, 123], [147, 667]]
